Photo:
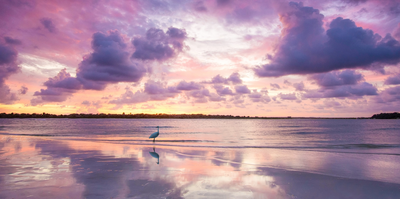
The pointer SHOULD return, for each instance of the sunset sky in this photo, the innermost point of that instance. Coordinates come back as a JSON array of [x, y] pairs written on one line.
[[255, 57]]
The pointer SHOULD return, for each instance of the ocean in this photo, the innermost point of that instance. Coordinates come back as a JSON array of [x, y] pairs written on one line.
[[199, 158]]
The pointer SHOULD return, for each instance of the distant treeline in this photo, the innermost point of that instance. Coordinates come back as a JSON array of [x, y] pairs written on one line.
[[140, 115], [143, 115], [394, 115]]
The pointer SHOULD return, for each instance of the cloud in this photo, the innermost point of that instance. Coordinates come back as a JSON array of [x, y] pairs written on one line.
[[6, 96], [216, 98], [221, 90], [345, 91], [158, 45], [256, 96], [12, 41], [275, 86], [109, 63], [223, 2], [393, 80], [23, 90], [187, 86], [112, 61], [337, 78], [8, 66], [299, 86], [234, 78], [59, 88], [242, 89], [288, 96], [199, 6], [388, 95], [131, 98], [48, 24], [305, 48], [159, 91]]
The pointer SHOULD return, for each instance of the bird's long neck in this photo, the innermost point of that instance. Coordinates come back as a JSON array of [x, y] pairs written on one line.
[[158, 129]]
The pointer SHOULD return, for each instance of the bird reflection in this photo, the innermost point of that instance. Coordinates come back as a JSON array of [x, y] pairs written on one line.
[[155, 155]]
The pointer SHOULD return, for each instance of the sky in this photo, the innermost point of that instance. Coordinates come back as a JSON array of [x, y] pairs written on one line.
[[314, 58]]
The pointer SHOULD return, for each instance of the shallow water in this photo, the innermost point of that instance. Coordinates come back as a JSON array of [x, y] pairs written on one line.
[[199, 158]]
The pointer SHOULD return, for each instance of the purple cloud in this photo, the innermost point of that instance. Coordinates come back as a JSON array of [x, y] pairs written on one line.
[[59, 88], [256, 96], [275, 86], [158, 45], [221, 90], [242, 89], [216, 98], [48, 24], [187, 86], [388, 95], [393, 80], [131, 98], [8, 66], [199, 6], [336, 78], [306, 48], [234, 78], [345, 91], [299, 86], [23, 90], [109, 63], [12, 41], [288, 96]]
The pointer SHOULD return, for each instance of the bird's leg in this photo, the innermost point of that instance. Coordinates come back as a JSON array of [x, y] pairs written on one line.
[[154, 139]]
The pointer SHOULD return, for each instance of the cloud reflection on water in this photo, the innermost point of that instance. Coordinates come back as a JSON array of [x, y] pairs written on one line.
[[77, 169]]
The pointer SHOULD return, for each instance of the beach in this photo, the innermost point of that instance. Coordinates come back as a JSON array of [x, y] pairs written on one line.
[[111, 158]]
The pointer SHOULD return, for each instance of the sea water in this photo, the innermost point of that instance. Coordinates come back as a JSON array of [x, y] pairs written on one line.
[[199, 158]]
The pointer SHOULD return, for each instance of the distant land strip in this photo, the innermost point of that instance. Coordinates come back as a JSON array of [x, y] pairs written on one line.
[[394, 115]]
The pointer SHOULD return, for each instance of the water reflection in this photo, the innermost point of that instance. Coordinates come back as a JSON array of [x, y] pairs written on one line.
[[155, 155], [51, 168]]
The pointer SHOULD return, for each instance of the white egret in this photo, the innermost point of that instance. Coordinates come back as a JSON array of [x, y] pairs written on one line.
[[155, 134]]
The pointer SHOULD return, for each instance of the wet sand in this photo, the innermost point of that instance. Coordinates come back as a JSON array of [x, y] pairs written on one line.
[[51, 167]]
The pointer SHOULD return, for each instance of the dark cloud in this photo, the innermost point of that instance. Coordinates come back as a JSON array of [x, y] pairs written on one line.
[[8, 58], [306, 48], [12, 41], [109, 63], [337, 78], [388, 95], [8, 66], [345, 91], [242, 89], [158, 45], [187, 86], [48, 24], [393, 80], [23, 90], [59, 88], [299, 86], [6, 96]]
